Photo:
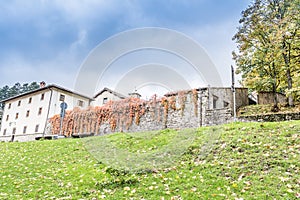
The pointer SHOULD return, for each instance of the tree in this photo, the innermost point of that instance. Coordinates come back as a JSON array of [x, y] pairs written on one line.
[[33, 86], [287, 16], [7, 92], [268, 46], [24, 88]]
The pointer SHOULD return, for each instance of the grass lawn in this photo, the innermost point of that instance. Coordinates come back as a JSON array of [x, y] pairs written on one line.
[[266, 109], [233, 161]]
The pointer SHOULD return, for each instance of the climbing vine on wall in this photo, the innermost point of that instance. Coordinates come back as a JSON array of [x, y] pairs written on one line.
[[195, 101], [121, 115], [182, 96], [115, 113]]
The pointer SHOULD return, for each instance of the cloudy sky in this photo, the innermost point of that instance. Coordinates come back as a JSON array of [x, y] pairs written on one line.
[[50, 39]]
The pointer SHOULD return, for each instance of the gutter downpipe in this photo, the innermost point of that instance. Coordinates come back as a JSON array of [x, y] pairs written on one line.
[[48, 112]]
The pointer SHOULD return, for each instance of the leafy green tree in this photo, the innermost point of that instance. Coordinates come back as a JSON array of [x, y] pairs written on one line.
[[268, 46]]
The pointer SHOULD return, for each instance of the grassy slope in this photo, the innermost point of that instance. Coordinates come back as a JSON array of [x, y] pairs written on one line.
[[245, 160], [266, 109]]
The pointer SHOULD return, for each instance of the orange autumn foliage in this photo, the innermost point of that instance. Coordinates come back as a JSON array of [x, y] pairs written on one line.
[[113, 112], [118, 115]]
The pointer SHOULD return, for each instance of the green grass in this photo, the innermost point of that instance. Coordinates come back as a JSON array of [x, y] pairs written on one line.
[[234, 161], [266, 109]]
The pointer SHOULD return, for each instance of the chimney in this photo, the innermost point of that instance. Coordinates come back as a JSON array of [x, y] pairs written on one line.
[[42, 84]]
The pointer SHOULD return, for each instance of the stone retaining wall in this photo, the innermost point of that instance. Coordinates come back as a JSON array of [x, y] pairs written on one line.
[[20, 138], [272, 117]]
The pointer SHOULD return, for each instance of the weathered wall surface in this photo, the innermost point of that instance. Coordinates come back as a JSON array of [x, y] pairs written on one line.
[[223, 96], [272, 117], [196, 112], [183, 114], [241, 96], [268, 98], [185, 109], [218, 116]]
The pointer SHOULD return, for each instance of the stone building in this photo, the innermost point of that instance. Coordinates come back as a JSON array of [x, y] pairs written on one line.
[[215, 104]]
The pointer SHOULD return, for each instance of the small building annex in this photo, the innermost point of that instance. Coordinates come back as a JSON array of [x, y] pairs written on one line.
[[106, 95]]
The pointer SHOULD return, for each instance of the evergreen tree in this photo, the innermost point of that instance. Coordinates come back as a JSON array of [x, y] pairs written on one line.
[[7, 92]]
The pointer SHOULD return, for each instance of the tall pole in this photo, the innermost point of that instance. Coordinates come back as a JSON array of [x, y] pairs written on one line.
[[63, 107], [233, 93], [61, 125]]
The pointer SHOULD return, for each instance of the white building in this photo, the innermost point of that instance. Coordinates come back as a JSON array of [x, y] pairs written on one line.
[[106, 95], [26, 116], [1, 114]]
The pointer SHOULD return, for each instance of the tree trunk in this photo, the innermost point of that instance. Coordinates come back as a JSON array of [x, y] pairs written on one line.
[[286, 57], [290, 85], [275, 107]]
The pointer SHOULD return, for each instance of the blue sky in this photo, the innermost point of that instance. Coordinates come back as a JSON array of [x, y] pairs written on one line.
[[49, 39]]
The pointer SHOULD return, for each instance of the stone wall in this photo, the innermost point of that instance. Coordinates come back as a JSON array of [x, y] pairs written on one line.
[[218, 97], [186, 115], [192, 115], [241, 96], [268, 98], [192, 109], [218, 116], [272, 117]]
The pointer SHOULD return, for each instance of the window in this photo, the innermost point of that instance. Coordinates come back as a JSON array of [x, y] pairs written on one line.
[[17, 115], [80, 103], [19, 103], [27, 113], [14, 131], [4, 132], [37, 128], [62, 97], [105, 100], [42, 96], [7, 117], [9, 105], [215, 100], [40, 111], [24, 129], [30, 99]]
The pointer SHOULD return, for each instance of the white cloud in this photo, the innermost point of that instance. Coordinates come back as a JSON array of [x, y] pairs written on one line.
[[82, 9], [61, 21], [80, 42], [17, 68], [216, 40]]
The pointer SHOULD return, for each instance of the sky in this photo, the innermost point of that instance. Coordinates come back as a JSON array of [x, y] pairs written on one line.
[[49, 40]]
